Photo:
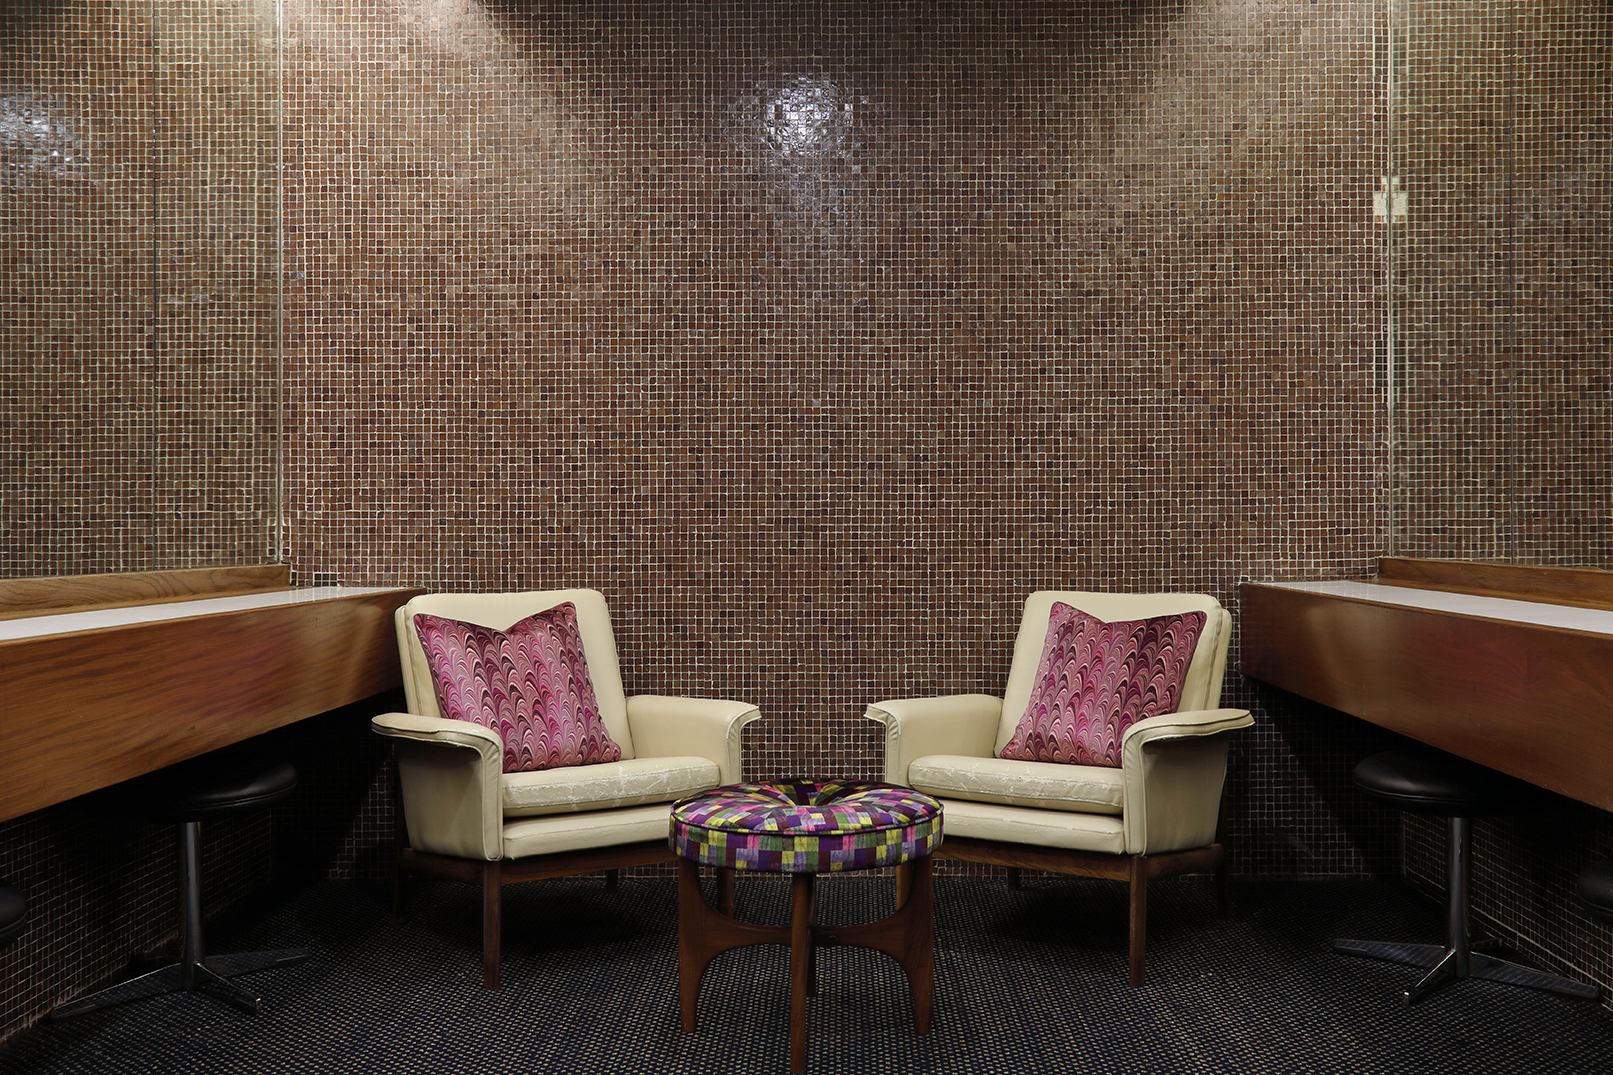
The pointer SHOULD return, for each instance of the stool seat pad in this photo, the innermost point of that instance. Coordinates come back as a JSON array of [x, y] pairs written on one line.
[[13, 913], [214, 785], [1596, 888], [805, 826], [1438, 785]]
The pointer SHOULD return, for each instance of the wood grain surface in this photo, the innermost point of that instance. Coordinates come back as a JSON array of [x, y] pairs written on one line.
[[86, 710], [1584, 587], [46, 594], [1529, 700]]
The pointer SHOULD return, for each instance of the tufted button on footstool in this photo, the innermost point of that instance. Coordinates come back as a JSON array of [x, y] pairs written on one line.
[[804, 828]]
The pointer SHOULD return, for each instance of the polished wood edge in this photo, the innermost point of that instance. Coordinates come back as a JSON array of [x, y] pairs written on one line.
[[49, 594], [1269, 591], [1521, 698], [1583, 587], [152, 694]]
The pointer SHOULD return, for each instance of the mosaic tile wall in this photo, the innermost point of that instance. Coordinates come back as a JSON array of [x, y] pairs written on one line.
[[138, 319], [1504, 295], [815, 336]]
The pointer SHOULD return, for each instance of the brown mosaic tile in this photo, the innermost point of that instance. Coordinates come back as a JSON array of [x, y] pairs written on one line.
[[817, 337]]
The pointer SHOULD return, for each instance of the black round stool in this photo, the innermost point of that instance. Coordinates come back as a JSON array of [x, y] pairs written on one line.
[[229, 781], [13, 914], [1596, 889], [1440, 785]]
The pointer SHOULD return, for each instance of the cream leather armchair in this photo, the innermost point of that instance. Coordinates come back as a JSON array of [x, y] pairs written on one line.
[[468, 819], [1154, 816]]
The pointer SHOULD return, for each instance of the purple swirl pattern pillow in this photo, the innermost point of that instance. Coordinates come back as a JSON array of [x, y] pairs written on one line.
[[529, 684], [804, 826], [1097, 679]]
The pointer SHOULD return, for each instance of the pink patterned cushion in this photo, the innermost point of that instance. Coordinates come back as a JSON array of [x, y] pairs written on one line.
[[529, 683], [1097, 679]]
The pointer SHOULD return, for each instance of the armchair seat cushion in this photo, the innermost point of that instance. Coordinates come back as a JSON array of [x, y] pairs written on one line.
[[1043, 785], [606, 786], [1060, 829]]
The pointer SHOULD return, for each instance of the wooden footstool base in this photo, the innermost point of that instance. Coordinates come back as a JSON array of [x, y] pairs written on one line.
[[812, 828]]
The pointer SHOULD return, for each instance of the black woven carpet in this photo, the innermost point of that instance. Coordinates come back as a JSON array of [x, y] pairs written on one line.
[[1029, 981]]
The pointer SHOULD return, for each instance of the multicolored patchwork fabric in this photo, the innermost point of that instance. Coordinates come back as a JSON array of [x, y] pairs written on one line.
[[1097, 679], [806, 826], [529, 683]]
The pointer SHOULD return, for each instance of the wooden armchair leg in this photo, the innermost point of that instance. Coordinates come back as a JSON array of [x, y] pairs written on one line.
[[725, 891], [1013, 878], [400, 838], [1139, 918], [492, 921], [812, 949], [399, 885]]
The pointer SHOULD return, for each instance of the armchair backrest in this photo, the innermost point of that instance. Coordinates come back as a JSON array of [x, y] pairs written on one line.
[[1201, 690], [500, 611]]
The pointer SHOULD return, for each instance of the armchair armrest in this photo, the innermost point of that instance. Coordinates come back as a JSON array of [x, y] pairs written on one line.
[[450, 773], [1173, 767], [952, 724], [664, 727]]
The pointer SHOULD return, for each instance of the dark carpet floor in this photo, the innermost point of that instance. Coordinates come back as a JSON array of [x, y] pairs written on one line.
[[1027, 982]]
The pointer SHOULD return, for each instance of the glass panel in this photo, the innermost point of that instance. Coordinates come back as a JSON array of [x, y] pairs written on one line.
[[1501, 288], [139, 322]]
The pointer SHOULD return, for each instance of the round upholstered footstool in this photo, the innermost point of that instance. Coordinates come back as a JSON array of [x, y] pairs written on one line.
[[804, 828]]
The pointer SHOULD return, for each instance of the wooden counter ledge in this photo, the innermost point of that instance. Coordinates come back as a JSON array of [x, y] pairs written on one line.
[[1523, 685], [92, 698]]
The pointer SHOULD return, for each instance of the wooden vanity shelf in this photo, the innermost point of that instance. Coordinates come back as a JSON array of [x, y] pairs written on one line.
[[1509, 666], [107, 677]]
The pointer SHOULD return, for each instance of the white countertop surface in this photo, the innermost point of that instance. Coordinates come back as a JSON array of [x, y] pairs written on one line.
[[1593, 620], [61, 623]]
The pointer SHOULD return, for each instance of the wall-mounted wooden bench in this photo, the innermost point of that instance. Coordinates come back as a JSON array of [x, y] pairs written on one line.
[[1509, 666], [107, 677]]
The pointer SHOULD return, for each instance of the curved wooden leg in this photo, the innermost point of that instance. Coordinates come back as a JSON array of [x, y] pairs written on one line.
[[692, 955], [1013, 878], [904, 883], [907, 936], [703, 935], [492, 921], [800, 956], [1139, 916]]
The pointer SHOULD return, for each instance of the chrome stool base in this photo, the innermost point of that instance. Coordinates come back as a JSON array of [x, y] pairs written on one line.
[[211, 976], [1444, 965], [195, 972], [1455, 960]]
